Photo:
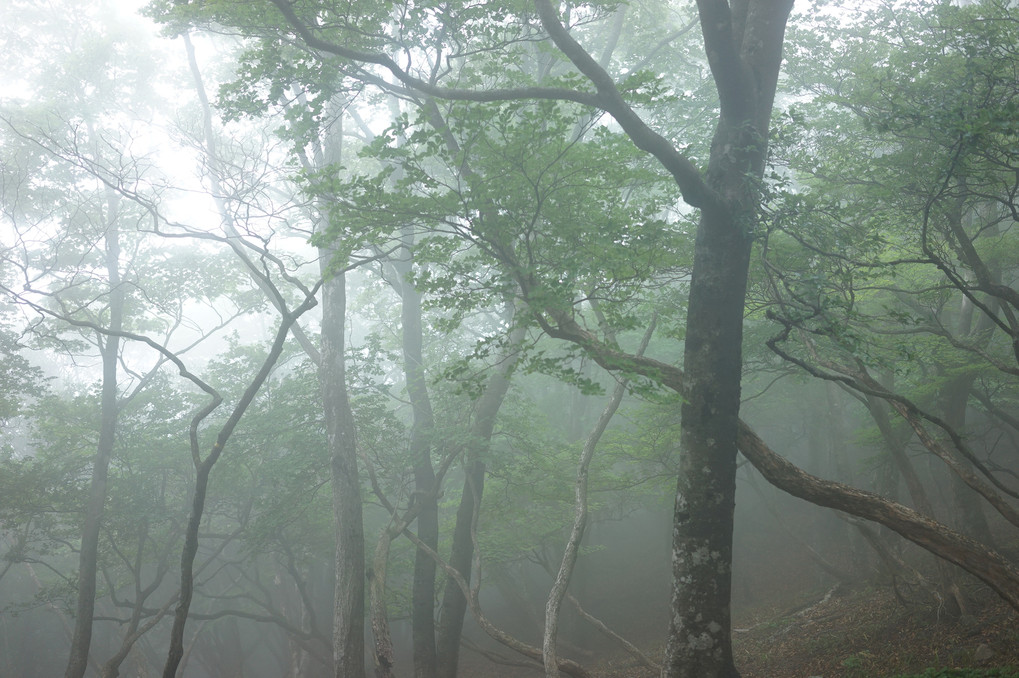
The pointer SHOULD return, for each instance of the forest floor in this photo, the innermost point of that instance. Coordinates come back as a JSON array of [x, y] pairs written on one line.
[[865, 633]]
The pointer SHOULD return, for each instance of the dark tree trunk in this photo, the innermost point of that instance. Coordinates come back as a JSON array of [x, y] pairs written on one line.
[[109, 348], [203, 470], [743, 42], [700, 643], [454, 604], [425, 492]]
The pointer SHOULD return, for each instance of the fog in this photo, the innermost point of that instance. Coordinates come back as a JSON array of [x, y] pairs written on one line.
[[468, 340]]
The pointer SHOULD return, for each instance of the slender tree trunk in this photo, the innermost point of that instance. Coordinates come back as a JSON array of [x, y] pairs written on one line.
[[109, 348], [422, 427], [203, 470], [454, 603], [348, 604], [571, 550]]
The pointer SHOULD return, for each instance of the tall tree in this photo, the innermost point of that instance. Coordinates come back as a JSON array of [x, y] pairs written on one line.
[[109, 349], [319, 147], [743, 45]]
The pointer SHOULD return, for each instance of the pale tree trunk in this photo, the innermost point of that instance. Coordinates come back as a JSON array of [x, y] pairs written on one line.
[[109, 348], [348, 604], [561, 580], [348, 521]]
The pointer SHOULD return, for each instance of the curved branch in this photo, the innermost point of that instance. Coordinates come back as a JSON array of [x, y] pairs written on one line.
[[988, 566], [691, 183], [510, 94]]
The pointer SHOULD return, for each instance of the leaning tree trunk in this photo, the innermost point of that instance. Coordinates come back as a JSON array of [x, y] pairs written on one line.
[[454, 603]]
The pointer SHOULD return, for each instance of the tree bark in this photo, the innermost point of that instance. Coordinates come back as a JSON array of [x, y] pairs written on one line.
[[699, 642], [744, 45]]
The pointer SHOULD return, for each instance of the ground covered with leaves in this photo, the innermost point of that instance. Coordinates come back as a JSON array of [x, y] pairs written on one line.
[[860, 632], [867, 633]]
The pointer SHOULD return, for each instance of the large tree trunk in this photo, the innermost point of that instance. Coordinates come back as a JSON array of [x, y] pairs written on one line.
[[744, 46], [700, 644], [348, 604], [109, 348]]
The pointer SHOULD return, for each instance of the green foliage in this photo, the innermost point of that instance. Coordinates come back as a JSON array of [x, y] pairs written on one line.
[[896, 191], [20, 381], [562, 215]]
